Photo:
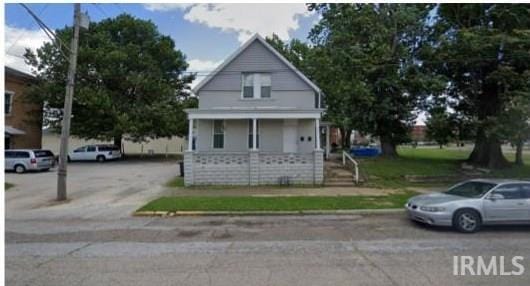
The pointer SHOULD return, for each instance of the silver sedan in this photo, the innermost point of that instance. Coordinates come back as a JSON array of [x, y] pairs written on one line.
[[469, 205]]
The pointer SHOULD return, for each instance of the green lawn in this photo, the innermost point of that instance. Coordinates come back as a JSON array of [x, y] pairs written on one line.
[[8, 186], [383, 172], [298, 203], [176, 182]]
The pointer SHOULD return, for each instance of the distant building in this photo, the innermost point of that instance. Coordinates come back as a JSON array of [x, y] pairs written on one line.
[[23, 120], [174, 145], [418, 133]]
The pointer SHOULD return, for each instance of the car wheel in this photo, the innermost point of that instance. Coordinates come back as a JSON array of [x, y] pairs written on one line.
[[20, 169], [100, 159], [467, 221]]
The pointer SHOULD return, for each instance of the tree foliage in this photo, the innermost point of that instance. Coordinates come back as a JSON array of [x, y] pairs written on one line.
[[482, 52], [368, 54], [440, 126], [130, 81]]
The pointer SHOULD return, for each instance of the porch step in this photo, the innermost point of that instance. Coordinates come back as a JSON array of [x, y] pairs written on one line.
[[337, 175], [340, 176]]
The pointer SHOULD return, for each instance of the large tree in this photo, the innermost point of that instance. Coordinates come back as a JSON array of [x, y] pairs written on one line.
[[316, 63], [368, 51], [130, 82], [482, 50]]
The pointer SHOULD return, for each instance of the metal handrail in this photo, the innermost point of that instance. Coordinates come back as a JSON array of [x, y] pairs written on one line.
[[355, 165]]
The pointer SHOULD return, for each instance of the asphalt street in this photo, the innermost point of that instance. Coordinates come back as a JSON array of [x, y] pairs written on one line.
[[292, 250]]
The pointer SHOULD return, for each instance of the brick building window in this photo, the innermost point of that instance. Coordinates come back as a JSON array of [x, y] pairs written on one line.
[[8, 101]]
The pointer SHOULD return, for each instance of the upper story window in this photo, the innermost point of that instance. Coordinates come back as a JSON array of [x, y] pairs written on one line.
[[256, 85], [8, 101]]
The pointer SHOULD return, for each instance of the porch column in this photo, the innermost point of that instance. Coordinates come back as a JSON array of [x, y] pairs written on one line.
[[254, 135], [317, 137], [328, 147], [190, 135]]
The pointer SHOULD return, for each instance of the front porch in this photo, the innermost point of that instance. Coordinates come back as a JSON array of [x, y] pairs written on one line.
[[253, 147]]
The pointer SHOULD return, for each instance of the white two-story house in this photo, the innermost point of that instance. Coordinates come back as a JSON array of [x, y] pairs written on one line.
[[258, 122]]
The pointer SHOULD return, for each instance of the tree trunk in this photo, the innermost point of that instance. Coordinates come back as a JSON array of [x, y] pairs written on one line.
[[347, 142], [519, 153], [117, 142], [487, 152], [388, 149], [345, 138]]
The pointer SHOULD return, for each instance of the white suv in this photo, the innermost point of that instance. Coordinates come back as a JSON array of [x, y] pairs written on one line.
[[99, 153]]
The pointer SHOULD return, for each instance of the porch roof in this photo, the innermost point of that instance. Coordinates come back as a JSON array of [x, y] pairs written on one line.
[[9, 130], [254, 112]]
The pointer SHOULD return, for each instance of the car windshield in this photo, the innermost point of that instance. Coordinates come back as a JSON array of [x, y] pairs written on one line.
[[471, 189]]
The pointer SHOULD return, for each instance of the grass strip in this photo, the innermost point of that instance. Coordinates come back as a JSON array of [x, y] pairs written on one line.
[[295, 203]]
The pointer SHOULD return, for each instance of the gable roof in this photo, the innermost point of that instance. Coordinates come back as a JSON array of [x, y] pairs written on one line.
[[254, 38]]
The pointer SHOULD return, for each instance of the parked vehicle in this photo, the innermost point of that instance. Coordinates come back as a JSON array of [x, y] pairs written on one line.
[[365, 151], [469, 205], [100, 153], [22, 160]]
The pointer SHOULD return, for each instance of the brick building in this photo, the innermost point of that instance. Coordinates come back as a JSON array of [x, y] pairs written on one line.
[[23, 120], [418, 133]]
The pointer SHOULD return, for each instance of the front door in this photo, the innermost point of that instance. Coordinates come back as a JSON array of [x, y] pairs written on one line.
[[290, 134], [511, 206]]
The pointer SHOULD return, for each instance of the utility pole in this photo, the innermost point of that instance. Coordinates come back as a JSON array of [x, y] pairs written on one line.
[[67, 112]]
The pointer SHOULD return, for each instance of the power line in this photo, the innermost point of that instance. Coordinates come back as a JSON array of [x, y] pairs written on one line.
[[49, 32], [100, 9], [25, 31]]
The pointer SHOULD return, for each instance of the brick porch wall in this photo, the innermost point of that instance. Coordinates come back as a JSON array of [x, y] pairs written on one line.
[[253, 168]]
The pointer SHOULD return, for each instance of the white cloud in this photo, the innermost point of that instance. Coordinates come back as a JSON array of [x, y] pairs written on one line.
[[196, 65], [164, 7], [16, 41], [202, 68], [242, 19]]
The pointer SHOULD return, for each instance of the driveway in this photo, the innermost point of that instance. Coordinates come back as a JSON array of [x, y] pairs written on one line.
[[95, 191]]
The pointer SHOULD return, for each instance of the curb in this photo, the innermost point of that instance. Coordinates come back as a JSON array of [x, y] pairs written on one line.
[[267, 213]]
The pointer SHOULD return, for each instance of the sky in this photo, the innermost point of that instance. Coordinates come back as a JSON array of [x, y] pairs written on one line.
[[205, 33]]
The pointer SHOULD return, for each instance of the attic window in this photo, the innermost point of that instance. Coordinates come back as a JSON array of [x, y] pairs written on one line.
[[256, 85]]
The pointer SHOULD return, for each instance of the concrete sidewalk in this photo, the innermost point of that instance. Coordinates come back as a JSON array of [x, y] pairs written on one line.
[[273, 191]]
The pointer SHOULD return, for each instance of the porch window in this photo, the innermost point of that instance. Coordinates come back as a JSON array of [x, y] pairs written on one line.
[[256, 85], [218, 134], [250, 134]]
